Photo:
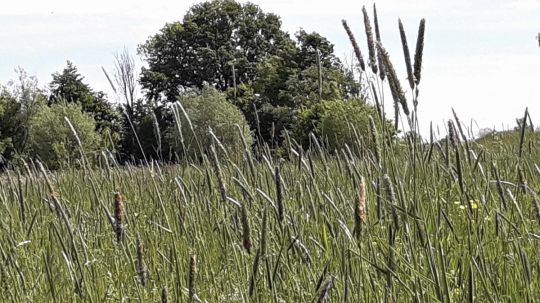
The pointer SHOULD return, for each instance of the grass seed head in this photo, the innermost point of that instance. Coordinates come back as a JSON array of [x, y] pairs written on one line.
[[419, 51], [141, 265], [371, 43], [360, 211], [406, 54], [119, 217], [164, 295], [382, 72], [192, 279], [246, 233], [391, 196], [279, 194], [452, 135], [355, 46], [395, 86], [375, 139], [324, 290]]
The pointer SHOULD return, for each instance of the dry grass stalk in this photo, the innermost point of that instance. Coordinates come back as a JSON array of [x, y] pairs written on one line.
[[395, 86], [419, 51], [371, 43], [141, 265], [119, 217], [406, 54], [355, 46]]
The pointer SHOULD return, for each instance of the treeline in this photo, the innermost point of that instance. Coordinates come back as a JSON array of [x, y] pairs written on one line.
[[227, 72]]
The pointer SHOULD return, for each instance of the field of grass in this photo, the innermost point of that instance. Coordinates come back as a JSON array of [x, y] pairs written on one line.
[[455, 222]]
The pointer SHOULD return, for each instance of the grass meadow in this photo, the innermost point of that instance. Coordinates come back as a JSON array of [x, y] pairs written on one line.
[[446, 221]]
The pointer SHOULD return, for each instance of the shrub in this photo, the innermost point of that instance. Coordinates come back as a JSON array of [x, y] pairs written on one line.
[[208, 109], [336, 122], [52, 141]]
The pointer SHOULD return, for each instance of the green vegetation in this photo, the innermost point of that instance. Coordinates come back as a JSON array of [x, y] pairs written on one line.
[[444, 227], [340, 123], [210, 115], [258, 168], [52, 138]]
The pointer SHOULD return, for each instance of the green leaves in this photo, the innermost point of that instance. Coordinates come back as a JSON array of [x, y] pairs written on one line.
[[51, 139], [68, 86], [207, 110], [198, 50]]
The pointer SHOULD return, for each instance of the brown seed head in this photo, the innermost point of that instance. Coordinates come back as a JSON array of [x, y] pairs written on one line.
[[246, 233], [360, 210], [141, 265], [119, 217], [192, 276], [164, 295]]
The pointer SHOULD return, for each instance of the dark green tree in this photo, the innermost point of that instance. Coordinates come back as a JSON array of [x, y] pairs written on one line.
[[213, 37], [143, 130], [69, 86], [19, 102], [10, 127], [286, 84], [239, 49]]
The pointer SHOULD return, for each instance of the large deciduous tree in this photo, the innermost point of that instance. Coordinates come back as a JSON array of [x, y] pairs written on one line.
[[215, 40], [238, 49]]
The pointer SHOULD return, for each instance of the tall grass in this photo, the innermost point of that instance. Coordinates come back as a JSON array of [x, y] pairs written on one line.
[[457, 229]]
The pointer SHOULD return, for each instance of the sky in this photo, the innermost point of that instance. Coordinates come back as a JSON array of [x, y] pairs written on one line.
[[481, 57]]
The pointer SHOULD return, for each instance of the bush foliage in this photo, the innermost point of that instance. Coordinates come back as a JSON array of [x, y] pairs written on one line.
[[54, 143], [208, 110]]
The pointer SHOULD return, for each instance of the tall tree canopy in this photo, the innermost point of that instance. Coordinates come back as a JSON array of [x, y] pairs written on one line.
[[213, 37]]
